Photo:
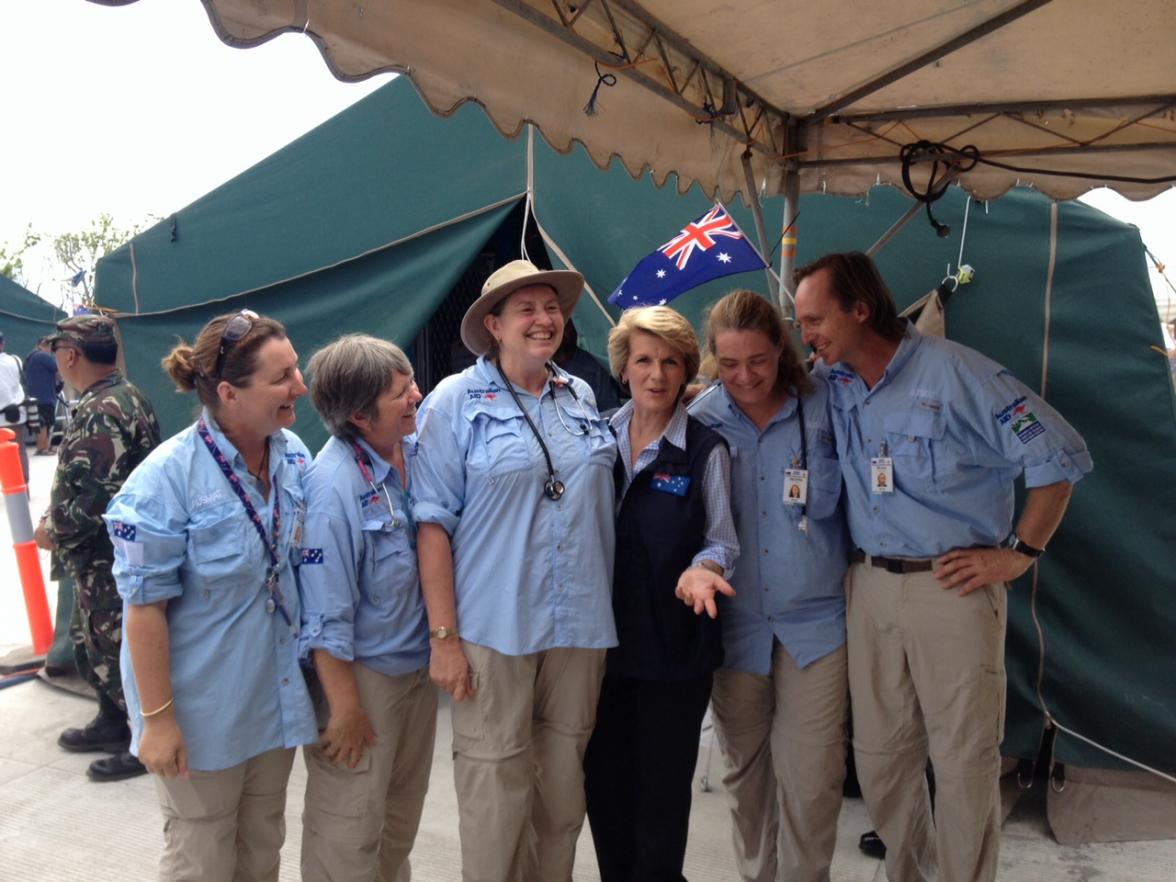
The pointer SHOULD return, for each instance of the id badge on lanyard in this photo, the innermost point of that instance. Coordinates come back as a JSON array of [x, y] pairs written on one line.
[[882, 472]]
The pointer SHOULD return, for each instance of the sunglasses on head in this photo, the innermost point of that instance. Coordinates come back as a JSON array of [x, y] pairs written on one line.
[[235, 328]]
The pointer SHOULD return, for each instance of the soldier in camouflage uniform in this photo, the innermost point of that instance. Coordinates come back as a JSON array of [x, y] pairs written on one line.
[[112, 430]]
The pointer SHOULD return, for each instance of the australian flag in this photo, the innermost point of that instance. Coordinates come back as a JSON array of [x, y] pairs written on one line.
[[708, 248], [123, 530]]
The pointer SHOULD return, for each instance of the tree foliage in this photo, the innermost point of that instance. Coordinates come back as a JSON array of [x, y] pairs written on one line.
[[78, 253], [12, 256], [75, 254]]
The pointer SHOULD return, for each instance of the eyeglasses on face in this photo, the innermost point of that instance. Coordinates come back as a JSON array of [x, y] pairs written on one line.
[[235, 329]]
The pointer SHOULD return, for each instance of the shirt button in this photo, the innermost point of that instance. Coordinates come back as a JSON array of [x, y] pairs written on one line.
[[207, 594], [285, 681], [282, 641], [875, 508], [765, 551], [270, 606]]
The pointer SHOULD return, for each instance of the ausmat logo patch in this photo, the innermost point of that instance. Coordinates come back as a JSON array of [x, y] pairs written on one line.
[[839, 376], [1021, 421], [489, 393]]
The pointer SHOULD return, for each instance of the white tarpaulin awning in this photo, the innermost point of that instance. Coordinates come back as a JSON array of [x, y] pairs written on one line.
[[833, 91]]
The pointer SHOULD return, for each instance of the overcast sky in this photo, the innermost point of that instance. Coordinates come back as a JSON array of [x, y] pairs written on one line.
[[139, 110]]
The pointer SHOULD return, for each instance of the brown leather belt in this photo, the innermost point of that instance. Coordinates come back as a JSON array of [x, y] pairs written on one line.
[[897, 565]]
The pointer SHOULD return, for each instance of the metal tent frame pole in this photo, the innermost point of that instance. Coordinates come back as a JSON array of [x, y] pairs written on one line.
[[757, 214], [789, 236]]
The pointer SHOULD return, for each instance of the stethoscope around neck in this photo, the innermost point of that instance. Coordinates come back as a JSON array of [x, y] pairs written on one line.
[[381, 489], [553, 487]]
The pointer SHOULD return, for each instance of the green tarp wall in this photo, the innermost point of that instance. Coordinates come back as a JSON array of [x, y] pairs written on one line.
[[24, 317], [366, 223]]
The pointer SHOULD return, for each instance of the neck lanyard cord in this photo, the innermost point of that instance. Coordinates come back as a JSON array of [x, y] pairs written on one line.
[[534, 430], [803, 446], [269, 542]]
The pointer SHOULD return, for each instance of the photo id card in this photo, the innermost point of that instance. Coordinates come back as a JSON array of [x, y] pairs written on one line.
[[795, 486], [882, 474]]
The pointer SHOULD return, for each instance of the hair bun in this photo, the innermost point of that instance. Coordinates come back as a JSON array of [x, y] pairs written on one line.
[[180, 366]]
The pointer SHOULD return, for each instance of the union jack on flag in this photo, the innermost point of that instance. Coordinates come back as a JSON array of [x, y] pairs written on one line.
[[701, 235], [707, 248]]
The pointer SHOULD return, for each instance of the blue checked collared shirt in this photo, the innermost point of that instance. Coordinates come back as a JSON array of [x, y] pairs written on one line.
[[788, 585], [959, 429], [181, 534], [530, 573], [361, 597], [722, 545]]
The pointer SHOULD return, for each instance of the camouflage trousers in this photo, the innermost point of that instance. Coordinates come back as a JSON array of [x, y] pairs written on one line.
[[96, 631]]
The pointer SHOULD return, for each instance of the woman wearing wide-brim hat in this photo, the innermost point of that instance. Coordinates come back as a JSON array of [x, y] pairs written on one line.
[[514, 503]]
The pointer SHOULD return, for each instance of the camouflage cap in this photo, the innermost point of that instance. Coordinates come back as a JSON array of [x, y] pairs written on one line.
[[81, 329]]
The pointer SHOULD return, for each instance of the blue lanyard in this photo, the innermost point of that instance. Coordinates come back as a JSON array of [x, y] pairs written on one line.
[[270, 543]]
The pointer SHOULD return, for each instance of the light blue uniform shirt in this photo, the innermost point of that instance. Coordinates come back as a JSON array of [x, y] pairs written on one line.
[[788, 585], [181, 534], [530, 573], [361, 596], [959, 429]]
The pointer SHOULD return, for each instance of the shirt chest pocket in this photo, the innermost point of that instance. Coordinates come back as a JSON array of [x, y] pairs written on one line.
[[913, 440], [222, 554], [600, 445], [387, 555], [498, 443]]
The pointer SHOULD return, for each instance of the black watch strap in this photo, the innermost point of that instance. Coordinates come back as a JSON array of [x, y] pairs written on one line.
[[1021, 547]]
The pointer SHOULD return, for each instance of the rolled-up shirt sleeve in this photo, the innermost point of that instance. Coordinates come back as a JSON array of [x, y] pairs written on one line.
[[149, 548], [439, 470], [1030, 432], [721, 542], [328, 580]]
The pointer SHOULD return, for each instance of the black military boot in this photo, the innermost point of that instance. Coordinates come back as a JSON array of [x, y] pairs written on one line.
[[102, 734], [116, 768]]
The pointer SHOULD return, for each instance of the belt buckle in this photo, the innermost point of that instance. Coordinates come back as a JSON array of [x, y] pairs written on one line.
[[894, 566]]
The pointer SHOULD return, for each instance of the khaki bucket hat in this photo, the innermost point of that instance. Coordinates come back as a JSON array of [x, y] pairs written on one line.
[[503, 282]]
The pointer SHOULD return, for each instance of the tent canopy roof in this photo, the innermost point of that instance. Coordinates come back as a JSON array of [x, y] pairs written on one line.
[[832, 91]]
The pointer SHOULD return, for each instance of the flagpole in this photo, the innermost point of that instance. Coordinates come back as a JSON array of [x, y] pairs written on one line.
[[773, 279], [758, 216]]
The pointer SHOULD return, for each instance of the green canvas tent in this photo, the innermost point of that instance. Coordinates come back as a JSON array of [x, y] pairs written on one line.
[[387, 218], [24, 317]]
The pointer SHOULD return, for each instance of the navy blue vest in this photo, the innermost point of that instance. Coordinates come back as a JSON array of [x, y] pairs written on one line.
[[658, 534]]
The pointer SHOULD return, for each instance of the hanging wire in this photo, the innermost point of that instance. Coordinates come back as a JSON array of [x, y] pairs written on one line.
[[971, 155], [602, 79], [955, 161]]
